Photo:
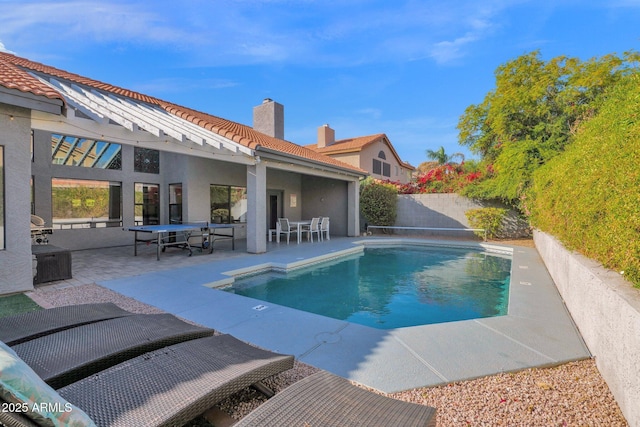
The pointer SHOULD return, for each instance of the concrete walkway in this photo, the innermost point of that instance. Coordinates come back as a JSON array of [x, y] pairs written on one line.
[[537, 331]]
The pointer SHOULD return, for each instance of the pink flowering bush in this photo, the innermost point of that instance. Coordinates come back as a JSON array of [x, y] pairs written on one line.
[[447, 178]]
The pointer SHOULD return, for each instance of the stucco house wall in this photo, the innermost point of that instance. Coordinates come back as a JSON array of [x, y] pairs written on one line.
[[326, 197], [15, 258], [399, 173]]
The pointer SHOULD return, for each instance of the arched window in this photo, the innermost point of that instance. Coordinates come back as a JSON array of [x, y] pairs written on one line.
[[382, 156]]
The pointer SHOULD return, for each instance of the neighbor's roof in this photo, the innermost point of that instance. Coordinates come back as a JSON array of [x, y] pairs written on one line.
[[14, 74], [357, 144]]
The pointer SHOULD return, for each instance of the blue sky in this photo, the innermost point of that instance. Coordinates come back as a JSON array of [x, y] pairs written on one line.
[[404, 68]]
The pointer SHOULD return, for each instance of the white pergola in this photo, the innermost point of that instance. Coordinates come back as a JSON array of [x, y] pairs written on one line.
[[106, 108]]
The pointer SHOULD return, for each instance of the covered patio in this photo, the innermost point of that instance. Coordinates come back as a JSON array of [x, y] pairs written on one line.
[[93, 160]]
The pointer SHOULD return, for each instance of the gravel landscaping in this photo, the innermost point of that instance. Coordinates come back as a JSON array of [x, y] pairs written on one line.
[[572, 394]]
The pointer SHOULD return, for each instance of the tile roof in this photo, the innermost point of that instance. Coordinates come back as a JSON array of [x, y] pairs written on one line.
[[14, 75], [352, 145], [347, 145]]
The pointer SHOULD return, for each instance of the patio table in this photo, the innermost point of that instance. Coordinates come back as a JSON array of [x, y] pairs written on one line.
[[299, 225]]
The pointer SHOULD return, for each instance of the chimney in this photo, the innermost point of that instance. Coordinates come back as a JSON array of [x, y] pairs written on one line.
[[268, 118], [326, 136]]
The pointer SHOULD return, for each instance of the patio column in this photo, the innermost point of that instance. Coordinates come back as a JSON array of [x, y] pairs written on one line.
[[353, 209], [256, 208]]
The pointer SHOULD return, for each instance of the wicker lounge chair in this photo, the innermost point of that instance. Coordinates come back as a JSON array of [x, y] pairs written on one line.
[[169, 386], [26, 326], [70, 355], [326, 400]]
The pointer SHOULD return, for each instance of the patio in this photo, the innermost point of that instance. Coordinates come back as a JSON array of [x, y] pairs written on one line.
[[537, 331]]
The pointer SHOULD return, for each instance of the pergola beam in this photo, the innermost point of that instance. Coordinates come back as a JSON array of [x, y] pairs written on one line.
[[133, 115]]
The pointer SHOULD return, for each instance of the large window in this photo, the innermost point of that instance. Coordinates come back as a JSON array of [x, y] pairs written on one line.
[[1, 197], [79, 203], [146, 160], [147, 204], [228, 204], [88, 153], [377, 166]]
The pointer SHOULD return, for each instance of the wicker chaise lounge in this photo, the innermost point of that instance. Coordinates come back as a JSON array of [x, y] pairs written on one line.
[[70, 355], [26, 326], [166, 387], [326, 400]]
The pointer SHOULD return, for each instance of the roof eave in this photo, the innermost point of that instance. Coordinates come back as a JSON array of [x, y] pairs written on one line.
[[31, 101], [275, 154]]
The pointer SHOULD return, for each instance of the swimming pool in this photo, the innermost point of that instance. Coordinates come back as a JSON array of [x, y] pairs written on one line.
[[391, 287]]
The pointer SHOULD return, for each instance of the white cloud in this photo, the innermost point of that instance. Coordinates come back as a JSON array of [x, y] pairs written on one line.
[[4, 49], [447, 51], [229, 32], [86, 21]]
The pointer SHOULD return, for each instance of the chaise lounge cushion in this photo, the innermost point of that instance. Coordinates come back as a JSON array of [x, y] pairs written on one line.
[[24, 392]]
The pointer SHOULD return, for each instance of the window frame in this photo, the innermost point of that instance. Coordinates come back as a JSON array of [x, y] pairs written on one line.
[[88, 220], [150, 159], [75, 143], [146, 217], [227, 205]]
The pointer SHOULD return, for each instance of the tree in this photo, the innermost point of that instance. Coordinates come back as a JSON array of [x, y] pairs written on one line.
[[441, 156], [532, 113]]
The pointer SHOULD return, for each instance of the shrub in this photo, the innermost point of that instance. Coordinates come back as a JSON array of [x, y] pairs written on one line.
[[489, 219], [379, 203], [589, 196]]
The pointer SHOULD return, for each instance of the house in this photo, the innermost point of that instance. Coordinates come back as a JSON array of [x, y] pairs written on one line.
[[93, 159], [373, 153]]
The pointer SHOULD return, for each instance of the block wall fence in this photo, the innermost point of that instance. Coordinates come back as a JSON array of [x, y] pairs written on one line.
[[448, 211]]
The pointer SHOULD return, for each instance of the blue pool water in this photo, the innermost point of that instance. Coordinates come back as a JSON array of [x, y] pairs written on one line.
[[394, 287]]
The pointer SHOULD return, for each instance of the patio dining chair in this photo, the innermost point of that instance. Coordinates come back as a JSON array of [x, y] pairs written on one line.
[[314, 227], [324, 228], [286, 229]]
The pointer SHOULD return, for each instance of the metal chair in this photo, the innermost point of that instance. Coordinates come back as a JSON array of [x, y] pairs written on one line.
[[324, 228], [314, 227], [285, 228]]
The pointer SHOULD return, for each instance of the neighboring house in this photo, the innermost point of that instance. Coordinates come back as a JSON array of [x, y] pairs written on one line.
[[93, 159], [373, 153]]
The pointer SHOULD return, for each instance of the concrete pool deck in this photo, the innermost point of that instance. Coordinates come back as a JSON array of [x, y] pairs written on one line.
[[536, 332]]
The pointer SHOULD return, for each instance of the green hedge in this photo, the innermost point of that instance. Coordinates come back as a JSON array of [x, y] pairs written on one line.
[[589, 196], [379, 203]]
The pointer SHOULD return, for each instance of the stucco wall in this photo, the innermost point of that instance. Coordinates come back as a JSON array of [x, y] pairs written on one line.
[[15, 259], [289, 184], [448, 211], [326, 197], [606, 309], [371, 152]]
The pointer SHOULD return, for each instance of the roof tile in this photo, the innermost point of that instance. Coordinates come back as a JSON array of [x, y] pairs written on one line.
[[13, 77]]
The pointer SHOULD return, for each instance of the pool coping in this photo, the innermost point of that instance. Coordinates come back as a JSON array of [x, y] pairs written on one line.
[[537, 331]]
